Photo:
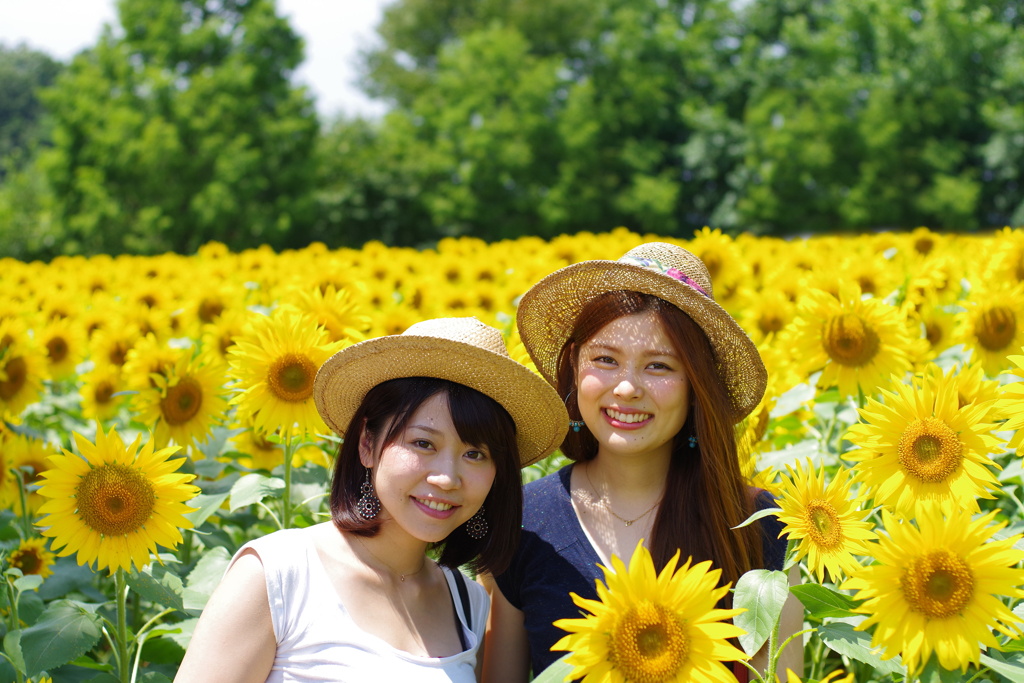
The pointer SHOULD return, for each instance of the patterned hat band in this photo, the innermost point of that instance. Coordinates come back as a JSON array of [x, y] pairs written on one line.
[[660, 268]]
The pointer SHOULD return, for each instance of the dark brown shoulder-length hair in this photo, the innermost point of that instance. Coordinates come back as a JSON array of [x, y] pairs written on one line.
[[705, 494], [480, 421]]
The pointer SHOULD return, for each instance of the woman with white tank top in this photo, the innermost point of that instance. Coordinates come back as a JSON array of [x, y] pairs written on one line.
[[438, 422]]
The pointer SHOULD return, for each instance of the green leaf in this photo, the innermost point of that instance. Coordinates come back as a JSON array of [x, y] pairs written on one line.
[[934, 673], [758, 515], [842, 638], [762, 593], [206, 504], [162, 651], [29, 583], [822, 602], [64, 632], [158, 584], [69, 576], [252, 488], [556, 673], [209, 571], [12, 646], [183, 635], [1011, 667], [104, 678], [154, 677], [30, 606], [90, 663]]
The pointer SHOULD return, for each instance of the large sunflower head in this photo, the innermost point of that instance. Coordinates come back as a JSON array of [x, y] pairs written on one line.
[[32, 557], [114, 505], [111, 345], [185, 404], [825, 519], [858, 343], [939, 587], [920, 445], [992, 325], [275, 362], [28, 457], [650, 627]]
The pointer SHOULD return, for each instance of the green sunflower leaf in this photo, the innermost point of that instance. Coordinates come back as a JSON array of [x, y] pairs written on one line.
[[842, 638], [252, 488], [63, 633], [821, 602], [762, 593], [556, 673]]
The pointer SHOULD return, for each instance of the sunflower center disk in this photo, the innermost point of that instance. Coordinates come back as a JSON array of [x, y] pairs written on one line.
[[649, 643], [57, 349], [27, 562], [291, 377], [938, 584], [933, 333], [823, 525], [104, 391], [210, 309], [16, 371], [115, 499], [769, 322], [118, 353], [182, 401], [930, 450], [996, 328], [848, 340]]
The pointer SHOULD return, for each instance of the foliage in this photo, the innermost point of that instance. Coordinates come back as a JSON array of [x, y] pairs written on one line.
[[186, 129], [22, 72]]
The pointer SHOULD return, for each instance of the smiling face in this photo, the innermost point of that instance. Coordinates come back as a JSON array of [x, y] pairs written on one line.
[[428, 480], [633, 392]]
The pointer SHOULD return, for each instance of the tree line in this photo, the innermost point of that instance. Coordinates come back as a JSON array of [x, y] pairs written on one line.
[[518, 117]]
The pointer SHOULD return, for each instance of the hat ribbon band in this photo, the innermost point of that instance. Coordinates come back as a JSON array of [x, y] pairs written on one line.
[[661, 269]]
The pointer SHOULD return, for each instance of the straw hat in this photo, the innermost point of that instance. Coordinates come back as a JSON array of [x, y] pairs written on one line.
[[462, 350], [547, 313]]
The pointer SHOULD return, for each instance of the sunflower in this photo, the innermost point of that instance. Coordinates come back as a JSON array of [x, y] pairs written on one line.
[[652, 627], [939, 587], [114, 504], [1011, 406], [768, 314], [859, 343], [22, 368], [32, 557], [99, 387], [260, 454], [920, 445], [937, 326], [219, 336], [334, 310], [992, 325], [65, 347], [111, 345], [149, 357], [185, 404], [972, 387], [275, 363], [825, 519]]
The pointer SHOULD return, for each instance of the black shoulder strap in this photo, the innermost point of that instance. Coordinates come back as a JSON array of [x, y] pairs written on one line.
[[460, 583]]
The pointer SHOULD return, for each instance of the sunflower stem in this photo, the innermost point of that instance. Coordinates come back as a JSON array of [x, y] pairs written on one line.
[[975, 677], [123, 662], [25, 519], [286, 513], [860, 397], [752, 670], [773, 651], [12, 596]]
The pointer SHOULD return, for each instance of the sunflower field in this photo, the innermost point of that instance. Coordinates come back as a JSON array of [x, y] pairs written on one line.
[[158, 414]]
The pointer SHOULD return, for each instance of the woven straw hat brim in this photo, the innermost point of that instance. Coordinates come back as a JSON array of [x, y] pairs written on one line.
[[345, 378], [547, 314]]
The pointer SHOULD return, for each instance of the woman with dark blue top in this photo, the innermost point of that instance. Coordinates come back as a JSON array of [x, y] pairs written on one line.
[[655, 376]]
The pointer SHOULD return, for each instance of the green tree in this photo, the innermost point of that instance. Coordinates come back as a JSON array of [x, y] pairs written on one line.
[[185, 130], [22, 72]]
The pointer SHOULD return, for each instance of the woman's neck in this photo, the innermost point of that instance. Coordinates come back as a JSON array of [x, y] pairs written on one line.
[[630, 477], [392, 551]]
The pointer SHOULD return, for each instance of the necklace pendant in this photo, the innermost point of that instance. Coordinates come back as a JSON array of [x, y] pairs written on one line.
[[628, 523], [402, 576]]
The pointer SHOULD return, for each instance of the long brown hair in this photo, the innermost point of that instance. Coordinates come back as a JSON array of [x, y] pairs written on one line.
[[705, 493]]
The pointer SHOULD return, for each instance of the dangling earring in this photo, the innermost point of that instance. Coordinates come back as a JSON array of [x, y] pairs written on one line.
[[693, 442], [476, 527], [369, 504], [575, 424]]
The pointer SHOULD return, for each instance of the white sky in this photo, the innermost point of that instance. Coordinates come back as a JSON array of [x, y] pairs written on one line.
[[334, 31]]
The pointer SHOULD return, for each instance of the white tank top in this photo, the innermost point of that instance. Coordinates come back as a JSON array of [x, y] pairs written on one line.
[[317, 639]]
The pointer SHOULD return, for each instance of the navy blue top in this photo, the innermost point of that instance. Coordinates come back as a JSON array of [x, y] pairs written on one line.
[[555, 558]]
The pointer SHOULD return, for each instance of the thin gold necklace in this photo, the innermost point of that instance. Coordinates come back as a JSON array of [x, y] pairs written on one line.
[[607, 505], [400, 575]]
